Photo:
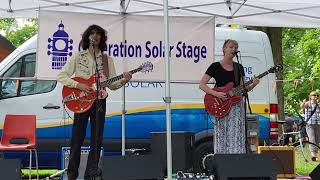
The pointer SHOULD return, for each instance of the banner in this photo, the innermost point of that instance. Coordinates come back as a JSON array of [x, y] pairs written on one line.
[[132, 41]]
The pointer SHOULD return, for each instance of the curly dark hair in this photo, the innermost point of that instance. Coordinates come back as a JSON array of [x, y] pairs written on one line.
[[85, 37]]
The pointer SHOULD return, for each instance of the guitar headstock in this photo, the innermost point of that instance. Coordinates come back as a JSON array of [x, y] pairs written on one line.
[[276, 68], [146, 67]]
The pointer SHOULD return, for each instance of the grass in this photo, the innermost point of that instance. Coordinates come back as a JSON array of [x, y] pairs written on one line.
[[43, 173], [303, 167]]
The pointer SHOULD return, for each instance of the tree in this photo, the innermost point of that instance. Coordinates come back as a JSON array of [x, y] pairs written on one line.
[[297, 50], [16, 33], [302, 64]]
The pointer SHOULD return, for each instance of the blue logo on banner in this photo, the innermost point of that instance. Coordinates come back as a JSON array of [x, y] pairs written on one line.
[[59, 44]]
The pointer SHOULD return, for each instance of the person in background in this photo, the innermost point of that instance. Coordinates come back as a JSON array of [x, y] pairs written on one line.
[[229, 131], [289, 126], [83, 64], [312, 118]]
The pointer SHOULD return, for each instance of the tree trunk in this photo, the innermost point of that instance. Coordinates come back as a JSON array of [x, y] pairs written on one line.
[[275, 36]]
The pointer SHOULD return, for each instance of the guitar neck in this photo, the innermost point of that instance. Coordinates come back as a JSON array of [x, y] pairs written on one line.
[[240, 88], [114, 79]]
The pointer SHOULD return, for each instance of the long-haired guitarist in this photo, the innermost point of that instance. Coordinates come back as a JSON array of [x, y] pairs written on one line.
[[229, 131], [83, 64]]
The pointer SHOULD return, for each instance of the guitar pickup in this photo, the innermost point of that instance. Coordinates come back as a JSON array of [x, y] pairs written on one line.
[[94, 87], [70, 97]]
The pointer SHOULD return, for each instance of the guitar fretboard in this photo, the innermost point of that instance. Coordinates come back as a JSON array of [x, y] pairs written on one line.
[[114, 79], [240, 88]]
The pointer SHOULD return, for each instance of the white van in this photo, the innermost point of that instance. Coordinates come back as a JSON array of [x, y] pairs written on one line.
[[20, 94]]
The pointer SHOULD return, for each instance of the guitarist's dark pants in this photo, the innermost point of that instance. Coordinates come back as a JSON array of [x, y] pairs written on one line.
[[78, 135]]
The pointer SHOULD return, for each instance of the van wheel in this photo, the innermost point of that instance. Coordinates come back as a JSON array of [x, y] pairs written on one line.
[[200, 153]]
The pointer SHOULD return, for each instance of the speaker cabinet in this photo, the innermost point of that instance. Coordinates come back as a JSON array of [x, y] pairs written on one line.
[[243, 167], [65, 157], [10, 169], [253, 132], [132, 167], [283, 159], [182, 143], [315, 174]]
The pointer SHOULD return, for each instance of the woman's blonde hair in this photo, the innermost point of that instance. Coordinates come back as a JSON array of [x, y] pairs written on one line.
[[229, 41]]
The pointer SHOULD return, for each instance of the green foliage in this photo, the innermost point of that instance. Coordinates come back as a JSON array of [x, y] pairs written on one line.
[[7, 24], [18, 34], [301, 59], [291, 37]]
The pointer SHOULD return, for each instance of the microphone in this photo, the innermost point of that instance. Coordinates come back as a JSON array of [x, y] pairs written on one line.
[[235, 52], [92, 40]]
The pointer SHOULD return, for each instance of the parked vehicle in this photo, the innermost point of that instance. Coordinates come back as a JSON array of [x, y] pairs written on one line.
[[21, 93]]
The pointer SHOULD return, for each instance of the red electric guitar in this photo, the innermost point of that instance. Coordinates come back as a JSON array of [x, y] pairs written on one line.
[[220, 108], [79, 101]]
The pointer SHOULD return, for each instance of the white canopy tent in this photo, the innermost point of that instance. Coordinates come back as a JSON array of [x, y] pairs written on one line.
[[273, 13]]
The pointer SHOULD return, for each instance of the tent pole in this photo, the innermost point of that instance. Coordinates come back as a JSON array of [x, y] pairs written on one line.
[[123, 102], [167, 93]]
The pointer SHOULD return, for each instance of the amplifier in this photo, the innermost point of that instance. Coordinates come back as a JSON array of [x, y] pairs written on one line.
[[131, 167], [182, 143], [283, 159], [10, 169], [243, 167], [253, 132], [65, 154]]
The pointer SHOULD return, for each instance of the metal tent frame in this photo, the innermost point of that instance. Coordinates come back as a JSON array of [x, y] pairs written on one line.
[[273, 13]]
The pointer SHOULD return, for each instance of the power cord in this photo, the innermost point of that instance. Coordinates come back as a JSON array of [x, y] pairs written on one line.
[[65, 111], [66, 132], [208, 118]]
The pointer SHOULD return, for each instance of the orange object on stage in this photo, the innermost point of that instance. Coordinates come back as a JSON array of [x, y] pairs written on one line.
[[283, 158]]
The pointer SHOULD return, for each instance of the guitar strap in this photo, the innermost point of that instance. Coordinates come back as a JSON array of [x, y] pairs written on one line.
[[105, 65], [236, 74]]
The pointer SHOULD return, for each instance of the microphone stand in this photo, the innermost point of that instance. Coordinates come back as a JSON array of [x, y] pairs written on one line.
[[245, 94], [98, 108]]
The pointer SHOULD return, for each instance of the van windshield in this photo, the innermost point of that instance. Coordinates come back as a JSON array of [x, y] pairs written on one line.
[[9, 58]]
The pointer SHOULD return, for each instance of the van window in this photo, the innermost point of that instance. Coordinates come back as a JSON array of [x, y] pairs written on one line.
[[24, 67], [14, 70]]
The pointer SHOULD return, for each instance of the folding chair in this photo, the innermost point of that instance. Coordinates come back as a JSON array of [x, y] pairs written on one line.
[[19, 134]]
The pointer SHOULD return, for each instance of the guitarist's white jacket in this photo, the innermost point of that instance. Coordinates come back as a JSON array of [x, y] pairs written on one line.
[[83, 65]]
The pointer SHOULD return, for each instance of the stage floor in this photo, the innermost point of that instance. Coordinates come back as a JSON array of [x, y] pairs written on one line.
[[298, 178]]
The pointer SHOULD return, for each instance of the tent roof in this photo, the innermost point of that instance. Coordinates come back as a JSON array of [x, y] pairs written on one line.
[[273, 13]]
